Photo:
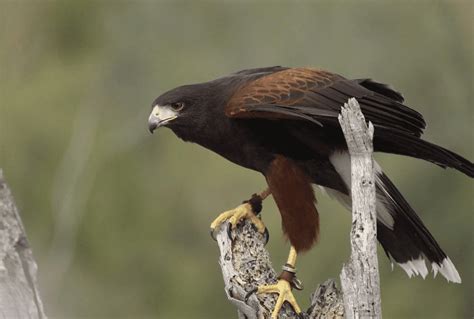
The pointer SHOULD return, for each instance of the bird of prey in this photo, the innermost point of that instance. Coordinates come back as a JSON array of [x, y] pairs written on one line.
[[283, 123]]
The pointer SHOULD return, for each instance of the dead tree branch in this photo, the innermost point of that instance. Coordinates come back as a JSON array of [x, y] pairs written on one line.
[[360, 277], [19, 295], [245, 264]]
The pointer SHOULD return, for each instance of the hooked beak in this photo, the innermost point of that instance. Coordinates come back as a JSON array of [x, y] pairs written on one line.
[[160, 115]]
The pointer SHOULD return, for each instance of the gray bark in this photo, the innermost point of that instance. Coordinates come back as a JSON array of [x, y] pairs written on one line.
[[246, 264], [360, 276], [19, 295]]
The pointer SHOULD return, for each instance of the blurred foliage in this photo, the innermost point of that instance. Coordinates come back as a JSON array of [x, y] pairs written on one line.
[[118, 219]]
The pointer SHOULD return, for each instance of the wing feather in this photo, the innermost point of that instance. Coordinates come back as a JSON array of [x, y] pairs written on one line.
[[317, 96]]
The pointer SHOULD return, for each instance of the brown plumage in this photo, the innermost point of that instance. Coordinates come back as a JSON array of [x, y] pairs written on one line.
[[292, 191], [283, 88], [316, 95]]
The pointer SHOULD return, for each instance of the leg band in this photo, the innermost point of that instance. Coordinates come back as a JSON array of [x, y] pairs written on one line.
[[256, 203]]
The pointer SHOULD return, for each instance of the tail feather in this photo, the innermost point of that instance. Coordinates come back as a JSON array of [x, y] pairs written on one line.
[[396, 142], [409, 243], [400, 231]]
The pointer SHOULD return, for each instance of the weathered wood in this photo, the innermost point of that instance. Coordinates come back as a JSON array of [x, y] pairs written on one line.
[[19, 295], [245, 264], [360, 276]]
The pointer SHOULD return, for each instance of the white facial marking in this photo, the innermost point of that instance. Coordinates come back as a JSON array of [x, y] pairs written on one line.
[[162, 114]]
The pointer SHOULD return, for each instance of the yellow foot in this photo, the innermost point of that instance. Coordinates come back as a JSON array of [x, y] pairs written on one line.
[[283, 288], [237, 214]]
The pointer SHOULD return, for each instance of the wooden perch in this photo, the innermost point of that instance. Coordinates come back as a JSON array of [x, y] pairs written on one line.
[[360, 276], [19, 295], [246, 264]]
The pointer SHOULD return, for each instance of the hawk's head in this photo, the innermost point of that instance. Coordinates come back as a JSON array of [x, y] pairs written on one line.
[[176, 105]]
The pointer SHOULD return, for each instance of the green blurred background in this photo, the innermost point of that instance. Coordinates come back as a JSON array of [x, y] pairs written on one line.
[[118, 219]]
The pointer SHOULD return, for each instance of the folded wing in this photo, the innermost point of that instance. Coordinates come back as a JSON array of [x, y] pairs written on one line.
[[317, 96]]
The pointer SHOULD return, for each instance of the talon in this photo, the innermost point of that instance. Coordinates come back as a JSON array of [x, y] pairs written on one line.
[[212, 234], [229, 231], [248, 294], [297, 284], [266, 235]]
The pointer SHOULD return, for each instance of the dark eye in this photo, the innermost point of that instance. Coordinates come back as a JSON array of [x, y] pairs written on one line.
[[178, 106]]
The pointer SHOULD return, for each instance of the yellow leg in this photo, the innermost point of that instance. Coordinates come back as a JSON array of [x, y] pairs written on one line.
[[244, 211], [283, 287], [292, 257]]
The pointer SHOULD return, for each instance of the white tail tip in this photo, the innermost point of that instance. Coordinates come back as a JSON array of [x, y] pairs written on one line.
[[447, 269], [418, 267]]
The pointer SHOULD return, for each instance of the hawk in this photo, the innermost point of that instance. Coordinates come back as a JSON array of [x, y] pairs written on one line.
[[283, 123]]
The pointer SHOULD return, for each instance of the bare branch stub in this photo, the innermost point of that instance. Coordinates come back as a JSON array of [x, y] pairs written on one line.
[[360, 277]]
